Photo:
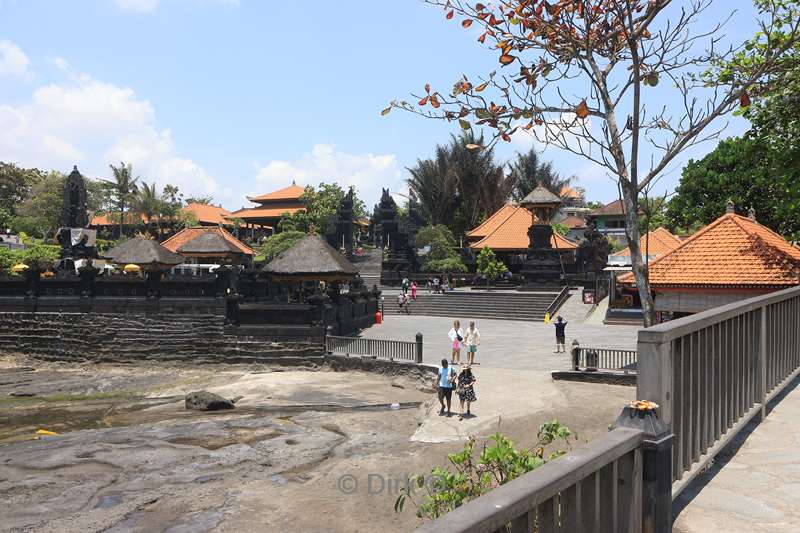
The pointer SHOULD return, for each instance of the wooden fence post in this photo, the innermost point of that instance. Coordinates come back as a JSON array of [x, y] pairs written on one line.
[[654, 373], [761, 377]]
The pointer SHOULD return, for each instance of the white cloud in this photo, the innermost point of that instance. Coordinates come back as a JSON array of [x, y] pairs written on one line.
[[367, 172], [13, 61], [148, 6], [92, 123]]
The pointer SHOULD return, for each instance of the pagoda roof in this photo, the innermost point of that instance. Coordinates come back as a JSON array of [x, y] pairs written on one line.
[[540, 196], [292, 192], [731, 252], [248, 213], [203, 239], [509, 232]]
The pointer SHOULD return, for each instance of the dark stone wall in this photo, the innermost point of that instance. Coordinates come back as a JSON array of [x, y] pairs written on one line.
[[199, 338]]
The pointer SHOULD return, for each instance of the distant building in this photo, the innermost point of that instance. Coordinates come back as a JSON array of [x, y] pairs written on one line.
[[272, 206], [576, 226], [731, 259], [610, 221], [206, 215], [573, 202]]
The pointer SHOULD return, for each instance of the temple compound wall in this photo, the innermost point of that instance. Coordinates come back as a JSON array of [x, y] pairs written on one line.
[[134, 336]]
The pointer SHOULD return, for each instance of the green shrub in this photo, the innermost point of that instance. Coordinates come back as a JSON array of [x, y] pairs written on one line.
[[499, 462]]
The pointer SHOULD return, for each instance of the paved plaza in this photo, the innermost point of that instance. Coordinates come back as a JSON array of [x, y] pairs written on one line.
[[505, 344]]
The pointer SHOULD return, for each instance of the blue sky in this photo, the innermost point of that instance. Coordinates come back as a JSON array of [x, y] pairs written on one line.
[[232, 98]]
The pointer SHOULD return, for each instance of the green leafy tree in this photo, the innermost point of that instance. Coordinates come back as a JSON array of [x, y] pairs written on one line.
[[490, 266], [16, 184], [171, 202], [321, 203], [559, 228], [39, 214], [528, 170], [124, 189], [7, 259], [472, 473], [278, 243], [435, 186], [742, 170], [442, 256]]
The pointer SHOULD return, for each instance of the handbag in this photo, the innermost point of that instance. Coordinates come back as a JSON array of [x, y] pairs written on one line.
[[459, 337]]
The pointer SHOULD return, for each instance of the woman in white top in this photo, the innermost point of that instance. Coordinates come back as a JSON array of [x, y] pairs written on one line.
[[456, 335], [472, 340]]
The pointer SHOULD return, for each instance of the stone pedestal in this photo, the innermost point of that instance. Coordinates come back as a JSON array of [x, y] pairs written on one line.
[[542, 268]]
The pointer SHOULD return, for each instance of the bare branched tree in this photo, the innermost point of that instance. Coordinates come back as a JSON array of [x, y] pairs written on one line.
[[615, 53]]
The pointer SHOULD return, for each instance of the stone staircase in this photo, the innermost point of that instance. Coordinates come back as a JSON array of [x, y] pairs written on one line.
[[528, 306], [370, 268]]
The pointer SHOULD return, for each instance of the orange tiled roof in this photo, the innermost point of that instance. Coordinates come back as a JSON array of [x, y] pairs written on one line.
[[573, 222], [494, 221], [185, 235], [568, 192], [264, 212], [732, 251], [112, 219], [292, 192], [511, 232], [206, 213], [661, 242]]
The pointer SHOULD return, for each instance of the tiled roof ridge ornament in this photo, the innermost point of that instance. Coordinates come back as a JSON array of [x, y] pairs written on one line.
[[751, 214], [730, 207]]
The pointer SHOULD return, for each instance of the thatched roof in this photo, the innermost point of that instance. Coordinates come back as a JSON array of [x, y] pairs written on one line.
[[209, 243], [313, 258], [540, 196], [142, 252]]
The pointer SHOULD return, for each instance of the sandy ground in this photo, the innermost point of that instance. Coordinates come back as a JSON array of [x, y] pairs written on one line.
[[304, 450]]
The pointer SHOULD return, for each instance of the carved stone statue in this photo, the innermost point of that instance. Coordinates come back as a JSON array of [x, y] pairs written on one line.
[[593, 251], [73, 209]]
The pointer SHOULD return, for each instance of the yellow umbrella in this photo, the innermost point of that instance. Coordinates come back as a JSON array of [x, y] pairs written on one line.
[[131, 269], [19, 269]]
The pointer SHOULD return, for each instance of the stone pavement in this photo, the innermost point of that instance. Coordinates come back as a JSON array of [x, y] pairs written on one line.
[[505, 344], [513, 368], [754, 486]]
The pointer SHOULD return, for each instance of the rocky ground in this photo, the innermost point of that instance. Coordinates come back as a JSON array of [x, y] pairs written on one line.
[[304, 449]]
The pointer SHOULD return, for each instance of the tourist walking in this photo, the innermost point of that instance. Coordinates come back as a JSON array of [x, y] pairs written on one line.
[[404, 285], [465, 390], [402, 302], [445, 383], [561, 335], [472, 340], [414, 290], [456, 335]]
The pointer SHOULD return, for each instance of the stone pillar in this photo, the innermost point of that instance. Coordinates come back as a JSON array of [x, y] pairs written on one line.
[[419, 349], [657, 464]]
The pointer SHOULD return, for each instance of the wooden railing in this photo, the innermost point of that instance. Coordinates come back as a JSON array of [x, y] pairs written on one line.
[[714, 371], [604, 359], [595, 488], [380, 348]]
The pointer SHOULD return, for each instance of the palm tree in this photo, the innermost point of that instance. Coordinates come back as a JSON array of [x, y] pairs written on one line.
[[149, 204], [528, 170], [483, 186], [459, 186], [435, 187], [124, 188]]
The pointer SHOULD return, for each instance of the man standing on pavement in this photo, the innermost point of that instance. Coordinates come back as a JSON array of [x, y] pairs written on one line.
[[561, 334], [445, 383]]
